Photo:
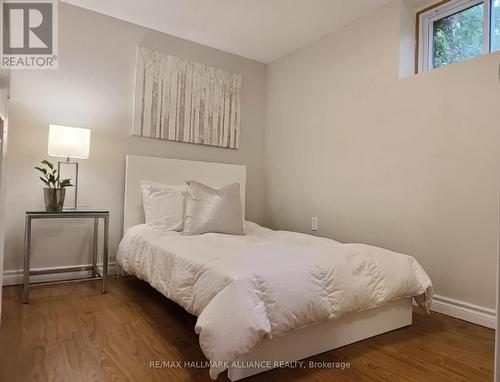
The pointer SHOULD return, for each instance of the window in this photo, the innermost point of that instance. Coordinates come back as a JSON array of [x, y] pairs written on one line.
[[457, 30], [495, 26]]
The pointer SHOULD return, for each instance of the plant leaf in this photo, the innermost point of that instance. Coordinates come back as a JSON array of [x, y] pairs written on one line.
[[48, 164], [65, 183], [44, 181], [42, 170]]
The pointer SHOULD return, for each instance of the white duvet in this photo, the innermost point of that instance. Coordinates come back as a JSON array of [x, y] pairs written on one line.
[[261, 285]]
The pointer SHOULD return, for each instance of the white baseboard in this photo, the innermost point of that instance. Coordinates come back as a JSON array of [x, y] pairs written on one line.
[[15, 277], [464, 311]]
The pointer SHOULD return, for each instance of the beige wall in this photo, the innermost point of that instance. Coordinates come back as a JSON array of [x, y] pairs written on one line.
[[411, 165], [93, 87]]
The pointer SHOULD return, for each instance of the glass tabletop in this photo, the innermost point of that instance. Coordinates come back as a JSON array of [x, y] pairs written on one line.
[[78, 211]]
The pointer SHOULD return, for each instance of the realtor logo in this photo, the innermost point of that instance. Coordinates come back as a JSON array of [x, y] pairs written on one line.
[[29, 34]]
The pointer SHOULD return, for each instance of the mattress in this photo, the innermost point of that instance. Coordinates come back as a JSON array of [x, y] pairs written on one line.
[[263, 284]]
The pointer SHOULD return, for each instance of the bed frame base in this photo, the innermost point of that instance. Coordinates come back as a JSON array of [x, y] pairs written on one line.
[[313, 340]]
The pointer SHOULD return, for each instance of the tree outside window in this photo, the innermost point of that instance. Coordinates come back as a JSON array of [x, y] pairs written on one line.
[[458, 37]]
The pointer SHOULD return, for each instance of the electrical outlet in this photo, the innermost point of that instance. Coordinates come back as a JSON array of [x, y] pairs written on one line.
[[314, 223]]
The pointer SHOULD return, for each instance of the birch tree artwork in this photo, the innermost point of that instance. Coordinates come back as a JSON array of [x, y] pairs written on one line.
[[183, 101]]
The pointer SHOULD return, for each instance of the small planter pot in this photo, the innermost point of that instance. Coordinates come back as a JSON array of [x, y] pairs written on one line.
[[54, 199]]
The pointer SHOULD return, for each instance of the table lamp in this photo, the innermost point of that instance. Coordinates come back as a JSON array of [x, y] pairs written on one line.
[[70, 143]]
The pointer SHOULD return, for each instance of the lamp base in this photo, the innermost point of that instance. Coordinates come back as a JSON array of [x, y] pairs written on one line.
[[69, 162]]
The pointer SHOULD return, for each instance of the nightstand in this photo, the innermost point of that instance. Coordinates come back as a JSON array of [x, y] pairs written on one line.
[[96, 215]]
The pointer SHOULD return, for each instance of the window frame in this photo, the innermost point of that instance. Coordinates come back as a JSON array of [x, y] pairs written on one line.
[[425, 28]]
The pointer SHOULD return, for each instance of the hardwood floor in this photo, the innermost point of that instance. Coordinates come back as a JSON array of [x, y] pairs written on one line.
[[73, 333]]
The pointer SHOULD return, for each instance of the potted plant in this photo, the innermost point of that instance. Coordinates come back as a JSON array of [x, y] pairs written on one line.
[[55, 191]]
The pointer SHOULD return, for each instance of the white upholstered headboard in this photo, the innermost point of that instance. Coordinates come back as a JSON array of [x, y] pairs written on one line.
[[173, 172]]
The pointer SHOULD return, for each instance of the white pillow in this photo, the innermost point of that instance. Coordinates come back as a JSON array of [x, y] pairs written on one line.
[[164, 205], [211, 210]]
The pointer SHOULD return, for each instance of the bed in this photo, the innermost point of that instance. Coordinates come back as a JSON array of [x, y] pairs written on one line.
[[267, 296]]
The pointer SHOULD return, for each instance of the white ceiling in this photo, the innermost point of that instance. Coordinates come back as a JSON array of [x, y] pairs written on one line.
[[263, 30]]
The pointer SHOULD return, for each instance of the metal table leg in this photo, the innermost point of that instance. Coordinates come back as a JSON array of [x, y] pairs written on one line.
[[27, 255], [94, 248], [105, 254]]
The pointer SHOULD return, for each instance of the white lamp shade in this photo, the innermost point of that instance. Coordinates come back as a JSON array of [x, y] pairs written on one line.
[[69, 142]]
